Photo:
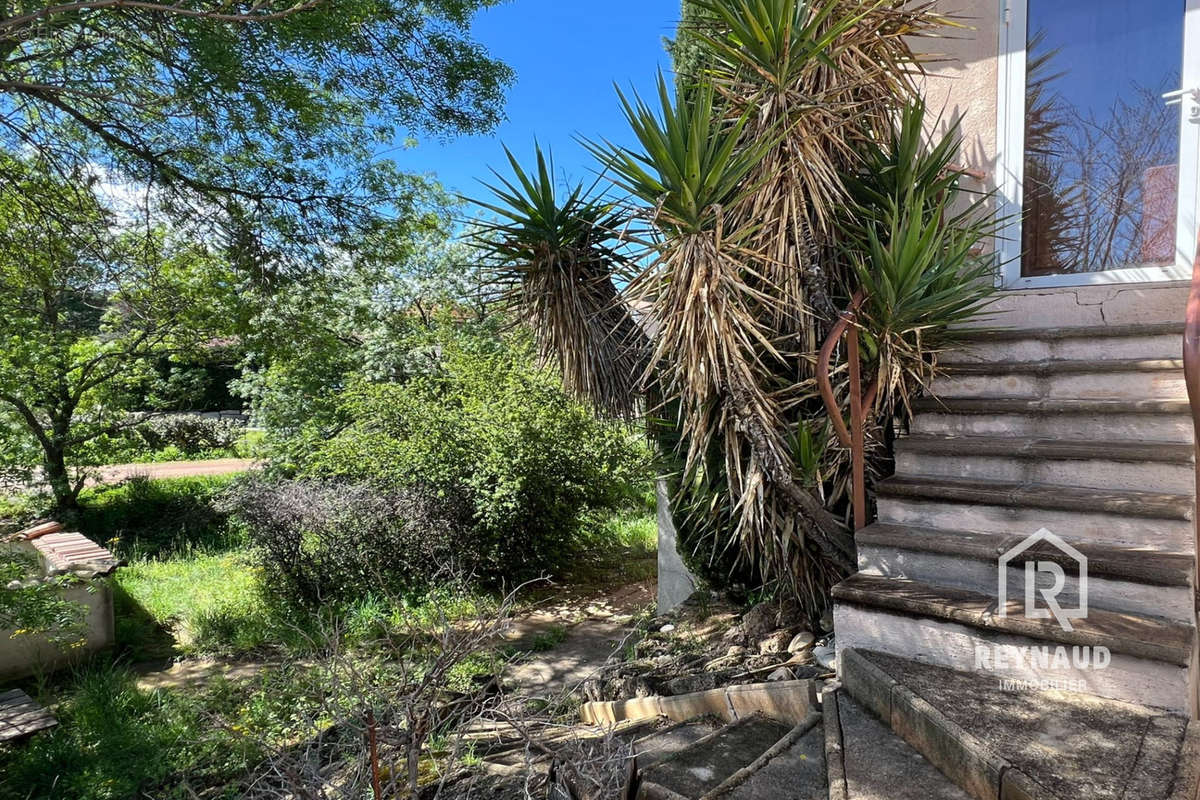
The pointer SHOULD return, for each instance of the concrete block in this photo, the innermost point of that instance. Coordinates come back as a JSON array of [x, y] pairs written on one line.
[[675, 583], [697, 704], [787, 701], [870, 686]]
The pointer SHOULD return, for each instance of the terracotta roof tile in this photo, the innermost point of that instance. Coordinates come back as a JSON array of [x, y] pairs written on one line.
[[75, 553]]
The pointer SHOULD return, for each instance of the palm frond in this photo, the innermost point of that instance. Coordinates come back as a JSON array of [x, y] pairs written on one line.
[[553, 262]]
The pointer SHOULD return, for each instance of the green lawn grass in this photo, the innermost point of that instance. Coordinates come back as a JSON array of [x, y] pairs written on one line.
[[208, 603]]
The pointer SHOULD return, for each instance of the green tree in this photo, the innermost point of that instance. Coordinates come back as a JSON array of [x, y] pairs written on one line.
[[258, 121], [88, 304], [687, 48], [370, 318]]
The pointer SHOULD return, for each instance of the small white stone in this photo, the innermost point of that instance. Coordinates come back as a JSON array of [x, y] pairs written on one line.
[[666, 628], [801, 642]]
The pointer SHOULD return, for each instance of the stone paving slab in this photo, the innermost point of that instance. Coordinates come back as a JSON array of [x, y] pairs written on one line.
[[707, 763], [880, 765], [797, 773]]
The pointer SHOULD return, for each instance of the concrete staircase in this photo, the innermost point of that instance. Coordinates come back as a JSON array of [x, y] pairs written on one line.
[[1084, 432], [895, 729]]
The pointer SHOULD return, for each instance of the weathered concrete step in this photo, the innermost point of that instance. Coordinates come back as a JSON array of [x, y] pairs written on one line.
[[1052, 366], [1063, 449], [793, 768], [1093, 342], [874, 763], [707, 763], [1113, 379], [1052, 745], [1128, 579], [1048, 496], [1110, 420], [1092, 463], [1155, 520], [1147, 657]]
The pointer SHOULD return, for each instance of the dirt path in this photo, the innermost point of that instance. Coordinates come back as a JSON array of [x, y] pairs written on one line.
[[586, 629], [592, 630], [193, 673], [115, 473]]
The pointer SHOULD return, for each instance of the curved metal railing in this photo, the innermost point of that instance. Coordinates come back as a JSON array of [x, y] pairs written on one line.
[[861, 403]]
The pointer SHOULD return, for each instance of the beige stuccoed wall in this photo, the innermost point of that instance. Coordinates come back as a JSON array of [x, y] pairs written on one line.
[[960, 80], [23, 655]]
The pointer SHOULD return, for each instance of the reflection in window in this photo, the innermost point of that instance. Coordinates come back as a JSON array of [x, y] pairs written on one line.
[[1101, 147]]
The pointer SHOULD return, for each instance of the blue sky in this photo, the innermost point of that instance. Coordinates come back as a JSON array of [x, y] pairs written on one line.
[[567, 54]]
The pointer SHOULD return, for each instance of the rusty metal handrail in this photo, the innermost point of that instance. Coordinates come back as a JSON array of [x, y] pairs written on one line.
[[854, 437]]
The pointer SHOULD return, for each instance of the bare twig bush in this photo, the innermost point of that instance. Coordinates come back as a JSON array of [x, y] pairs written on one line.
[[384, 721]]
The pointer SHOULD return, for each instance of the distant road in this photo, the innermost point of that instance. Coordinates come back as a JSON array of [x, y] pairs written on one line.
[[115, 473]]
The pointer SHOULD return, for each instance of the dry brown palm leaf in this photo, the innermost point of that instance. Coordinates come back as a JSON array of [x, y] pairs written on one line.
[[827, 74], [713, 350]]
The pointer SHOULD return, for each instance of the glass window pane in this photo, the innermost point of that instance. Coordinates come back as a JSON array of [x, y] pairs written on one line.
[[1101, 146]]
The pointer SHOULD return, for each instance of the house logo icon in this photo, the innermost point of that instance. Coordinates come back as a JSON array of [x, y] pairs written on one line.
[[1036, 574]]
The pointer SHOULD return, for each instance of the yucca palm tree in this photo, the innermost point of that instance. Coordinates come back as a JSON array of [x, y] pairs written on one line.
[[753, 210]]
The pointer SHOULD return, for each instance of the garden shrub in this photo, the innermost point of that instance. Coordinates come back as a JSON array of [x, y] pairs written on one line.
[[321, 541], [191, 434], [489, 427]]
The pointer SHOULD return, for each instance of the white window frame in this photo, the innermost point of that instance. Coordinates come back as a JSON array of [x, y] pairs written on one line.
[[1010, 161]]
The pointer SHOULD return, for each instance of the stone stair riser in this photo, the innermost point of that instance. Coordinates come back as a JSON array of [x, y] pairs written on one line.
[[1080, 348], [1174, 535], [1091, 473], [1117, 427], [1132, 385], [980, 575], [948, 644]]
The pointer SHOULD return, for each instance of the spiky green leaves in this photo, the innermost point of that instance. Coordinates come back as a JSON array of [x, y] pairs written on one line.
[[913, 239], [777, 39], [690, 166]]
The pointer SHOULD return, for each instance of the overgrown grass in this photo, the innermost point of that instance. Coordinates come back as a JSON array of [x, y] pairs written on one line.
[[117, 741], [200, 603], [214, 604], [143, 518], [192, 588], [619, 544]]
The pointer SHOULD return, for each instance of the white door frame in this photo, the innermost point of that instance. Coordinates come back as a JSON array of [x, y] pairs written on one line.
[[1010, 161]]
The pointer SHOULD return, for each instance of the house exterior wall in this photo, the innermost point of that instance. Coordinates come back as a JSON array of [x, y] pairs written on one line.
[[962, 83], [961, 78]]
